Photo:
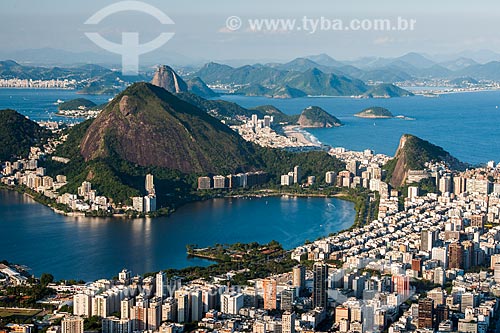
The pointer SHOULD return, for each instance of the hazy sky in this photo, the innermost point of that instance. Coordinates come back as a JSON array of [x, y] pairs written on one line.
[[201, 32]]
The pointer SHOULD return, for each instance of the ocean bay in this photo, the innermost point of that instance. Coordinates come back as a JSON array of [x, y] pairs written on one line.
[[464, 124]]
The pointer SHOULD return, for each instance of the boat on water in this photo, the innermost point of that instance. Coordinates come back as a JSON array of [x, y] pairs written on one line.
[[404, 117]]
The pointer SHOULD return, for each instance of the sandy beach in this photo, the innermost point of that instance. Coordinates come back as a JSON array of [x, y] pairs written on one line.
[[293, 131]]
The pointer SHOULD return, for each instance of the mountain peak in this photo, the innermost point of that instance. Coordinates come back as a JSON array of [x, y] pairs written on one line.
[[148, 126], [387, 90], [168, 79], [9, 63], [197, 86], [325, 60], [314, 116], [18, 134], [412, 154], [315, 71], [416, 59]]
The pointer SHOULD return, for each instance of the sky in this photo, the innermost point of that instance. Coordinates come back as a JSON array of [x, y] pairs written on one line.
[[201, 31]]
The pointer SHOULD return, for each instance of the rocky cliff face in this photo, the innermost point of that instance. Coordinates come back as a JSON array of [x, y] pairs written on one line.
[[412, 154], [401, 169], [169, 80]]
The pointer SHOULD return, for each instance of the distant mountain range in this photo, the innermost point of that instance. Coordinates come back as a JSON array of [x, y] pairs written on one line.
[[313, 75], [59, 57], [323, 75], [258, 80], [415, 65], [10, 69], [410, 66], [48, 56], [279, 82]]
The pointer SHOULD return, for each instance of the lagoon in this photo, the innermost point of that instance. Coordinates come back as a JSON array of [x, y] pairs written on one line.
[[92, 248]]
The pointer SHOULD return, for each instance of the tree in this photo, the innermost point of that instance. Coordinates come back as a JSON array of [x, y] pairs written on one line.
[[93, 323], [46, 278]]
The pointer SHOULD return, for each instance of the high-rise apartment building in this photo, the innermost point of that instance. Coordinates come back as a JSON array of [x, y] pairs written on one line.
[[299, 277], [455, 255], [426, 313], [297, 174], [150, 186], [270, 290], [288, 322], [72, 324], [320, 285]]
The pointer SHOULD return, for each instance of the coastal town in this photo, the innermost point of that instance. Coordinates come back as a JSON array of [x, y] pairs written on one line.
[[249, 167], [39, 84], [430, 261], [25, 173], [420, 254], [261, 132]]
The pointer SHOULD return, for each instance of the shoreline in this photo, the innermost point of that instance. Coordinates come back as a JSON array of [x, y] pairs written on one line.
[[263, 193], [374, 117], [59, 211], [287, 195], [418, 93], [41, 88], [441, 92], [266, 193], [302, 136]]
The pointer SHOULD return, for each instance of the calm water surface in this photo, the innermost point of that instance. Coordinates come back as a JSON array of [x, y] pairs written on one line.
[[91, 248]]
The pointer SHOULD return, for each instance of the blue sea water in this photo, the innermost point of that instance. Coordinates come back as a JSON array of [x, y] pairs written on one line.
[[465, 124], [40, 104]]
